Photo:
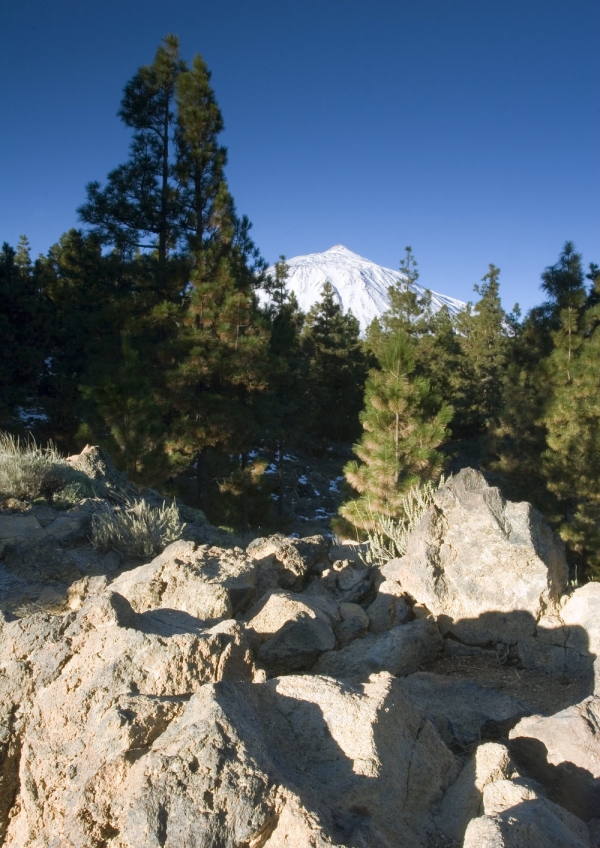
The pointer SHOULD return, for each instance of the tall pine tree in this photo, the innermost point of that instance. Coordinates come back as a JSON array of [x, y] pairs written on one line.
[[337, 367]]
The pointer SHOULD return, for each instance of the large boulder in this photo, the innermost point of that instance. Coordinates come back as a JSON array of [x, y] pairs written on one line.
[[208, 583], [490, 568], [400, 651], [277, 608], [464, 710], [562, 751], [282, 763], [65, 678], [532, 822], [581, 617], [286, 562], [296, 646]]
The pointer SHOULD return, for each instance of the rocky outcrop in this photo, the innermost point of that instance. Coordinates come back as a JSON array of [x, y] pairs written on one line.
[[489, 567], [289, 696], [208, 583]]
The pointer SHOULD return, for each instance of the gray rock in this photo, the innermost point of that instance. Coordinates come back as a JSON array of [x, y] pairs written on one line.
[[463, 799], [208, 583], [96, 464], [288, 563], [489, 567], [296, 646], [300, 775], [562, 752], [279, 607], [400, 651], [464, 711], [389, 609], [581, 615], [529, 824]]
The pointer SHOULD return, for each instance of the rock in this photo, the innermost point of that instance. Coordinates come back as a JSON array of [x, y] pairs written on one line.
[[208, 583], [389, 609], [296, 646], [277, 608], [531, 824], [581, 615], [287, 561], [300, 774], [17, 528], [463, 800], [465, 711], [40, 558], [62, 677], [350, 612], [400, 651], [354, 624], [96, 464], [489, 566], [562, 752], [501, 795]]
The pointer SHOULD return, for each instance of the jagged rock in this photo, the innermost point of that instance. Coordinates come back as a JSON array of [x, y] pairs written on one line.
[[208, 583], [463, 799], [277, 608], [529, 824], [275, 765], [289, 562], [490, 567], [562, 752], [296, 646], [354, 624], [62, 678], [97, 464], [400, 651], [389, 609], [464, 710], [581, 615]]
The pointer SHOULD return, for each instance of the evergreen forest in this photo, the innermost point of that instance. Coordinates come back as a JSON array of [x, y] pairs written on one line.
[[155, 331]]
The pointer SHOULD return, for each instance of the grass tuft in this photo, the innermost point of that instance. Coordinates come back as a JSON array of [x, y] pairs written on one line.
[[137, 529], [389, 537]]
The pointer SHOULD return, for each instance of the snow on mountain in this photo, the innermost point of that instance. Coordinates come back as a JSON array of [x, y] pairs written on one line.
[[360, 285]]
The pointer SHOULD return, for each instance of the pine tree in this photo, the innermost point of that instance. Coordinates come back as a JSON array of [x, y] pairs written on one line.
[[139, 208], [483, 332], [24, 327], [337, 366], [538, 372], [285, 399], [404, 423], [408, 312], [571, 461]]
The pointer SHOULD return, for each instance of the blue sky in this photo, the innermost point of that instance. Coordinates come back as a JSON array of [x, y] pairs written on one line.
[[468, 129]]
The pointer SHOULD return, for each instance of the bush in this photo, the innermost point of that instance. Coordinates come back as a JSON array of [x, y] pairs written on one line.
[[137, 529], [28, 471], [389, 536]]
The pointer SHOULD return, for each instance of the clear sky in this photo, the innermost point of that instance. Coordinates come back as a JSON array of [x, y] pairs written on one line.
[[468, 129]]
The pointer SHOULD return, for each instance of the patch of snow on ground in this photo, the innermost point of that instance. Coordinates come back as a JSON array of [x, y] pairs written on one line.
[[271, 469], [303, 480], [29, 416], [334, 484]]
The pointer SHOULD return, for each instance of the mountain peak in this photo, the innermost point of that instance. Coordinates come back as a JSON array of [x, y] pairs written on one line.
[[359, 284]]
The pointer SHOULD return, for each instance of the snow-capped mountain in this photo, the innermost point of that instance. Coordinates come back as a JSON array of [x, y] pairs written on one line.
[[359, 284]]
